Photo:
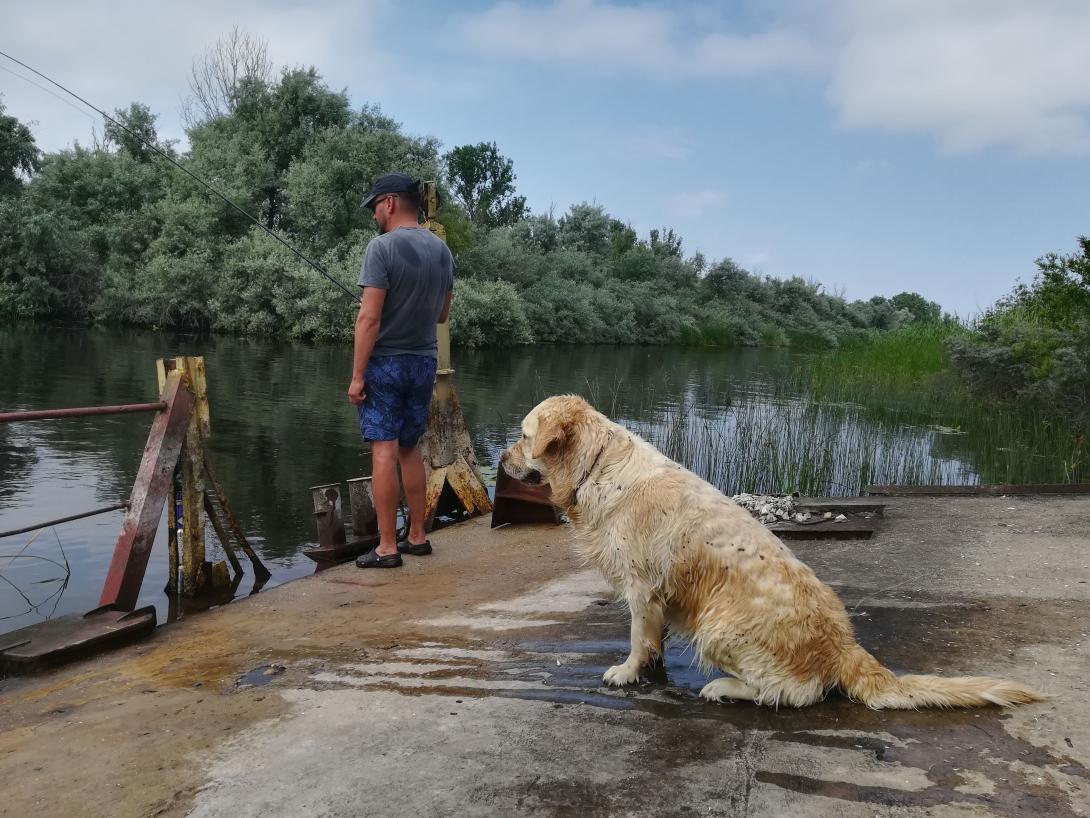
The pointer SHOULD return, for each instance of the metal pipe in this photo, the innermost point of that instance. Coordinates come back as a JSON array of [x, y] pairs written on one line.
[[82, 411], [48, 523]]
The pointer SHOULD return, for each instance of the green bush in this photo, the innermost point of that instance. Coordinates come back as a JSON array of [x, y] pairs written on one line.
[[488, 313], [1035, 343]]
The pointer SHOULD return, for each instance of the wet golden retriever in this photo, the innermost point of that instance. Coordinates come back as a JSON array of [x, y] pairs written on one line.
[[680, 553]]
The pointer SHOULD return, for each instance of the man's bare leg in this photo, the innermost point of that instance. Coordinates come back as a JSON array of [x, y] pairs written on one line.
[[413, 478], [384, 456]]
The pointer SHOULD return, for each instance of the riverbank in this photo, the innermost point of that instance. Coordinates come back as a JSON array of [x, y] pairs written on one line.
[[469, 684]]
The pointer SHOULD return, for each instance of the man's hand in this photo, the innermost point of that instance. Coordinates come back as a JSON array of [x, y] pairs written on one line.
[[367, 325], [356, 394]]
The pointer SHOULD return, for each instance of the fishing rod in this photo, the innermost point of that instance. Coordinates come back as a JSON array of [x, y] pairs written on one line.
[[190, 174]]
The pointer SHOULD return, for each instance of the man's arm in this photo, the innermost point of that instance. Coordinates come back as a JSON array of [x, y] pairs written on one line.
[[445, 314], [367, 324]]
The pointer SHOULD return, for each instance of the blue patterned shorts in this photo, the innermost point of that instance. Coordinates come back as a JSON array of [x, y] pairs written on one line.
[[398, 390]]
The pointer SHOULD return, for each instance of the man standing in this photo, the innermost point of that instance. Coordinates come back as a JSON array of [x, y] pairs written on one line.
[[407, 280]]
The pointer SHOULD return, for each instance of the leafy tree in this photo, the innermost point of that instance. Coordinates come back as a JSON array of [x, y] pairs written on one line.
[[726, 280], [483, 183], [46, 270], [922, 310], [326, 183], [665, 243], [271, 126], [622, 237], [586, 227], [540, 233], [19, 155], [139, 131]]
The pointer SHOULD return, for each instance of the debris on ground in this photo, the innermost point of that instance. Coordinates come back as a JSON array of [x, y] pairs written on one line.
[[769, 508]]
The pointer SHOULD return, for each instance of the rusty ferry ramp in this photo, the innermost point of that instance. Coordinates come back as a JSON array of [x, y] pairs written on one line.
[[468, 683]]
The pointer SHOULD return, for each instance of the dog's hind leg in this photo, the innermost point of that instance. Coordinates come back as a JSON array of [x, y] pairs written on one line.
[[646, 637], [720, 690]]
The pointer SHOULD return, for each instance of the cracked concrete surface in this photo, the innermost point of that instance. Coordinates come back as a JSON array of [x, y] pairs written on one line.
[[469, 684]]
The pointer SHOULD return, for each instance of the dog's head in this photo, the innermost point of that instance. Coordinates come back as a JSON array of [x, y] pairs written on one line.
[[551, 438]]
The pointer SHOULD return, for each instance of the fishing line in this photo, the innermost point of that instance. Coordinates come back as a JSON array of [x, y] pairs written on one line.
[[53, 94], [188, 173]]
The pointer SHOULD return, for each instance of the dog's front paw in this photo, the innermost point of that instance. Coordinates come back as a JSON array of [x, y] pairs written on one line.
[[621, 675], [726, 689]]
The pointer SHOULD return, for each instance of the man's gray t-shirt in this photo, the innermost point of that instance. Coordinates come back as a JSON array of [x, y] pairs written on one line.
[[416, 269]]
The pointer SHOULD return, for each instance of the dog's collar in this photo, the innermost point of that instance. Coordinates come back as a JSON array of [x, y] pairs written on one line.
[[587, 474]]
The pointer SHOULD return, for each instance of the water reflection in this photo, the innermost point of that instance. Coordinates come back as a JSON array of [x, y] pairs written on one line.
[[281, 423]]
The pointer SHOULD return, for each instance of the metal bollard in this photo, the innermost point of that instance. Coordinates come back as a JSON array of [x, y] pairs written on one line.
[[362, 499], [327, 504]]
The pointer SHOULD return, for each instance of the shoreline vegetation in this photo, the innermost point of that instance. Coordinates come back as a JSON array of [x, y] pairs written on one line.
[[109, 234]]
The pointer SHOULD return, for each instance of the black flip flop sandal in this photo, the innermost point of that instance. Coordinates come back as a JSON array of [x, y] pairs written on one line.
[[373, 559], [422, 550]]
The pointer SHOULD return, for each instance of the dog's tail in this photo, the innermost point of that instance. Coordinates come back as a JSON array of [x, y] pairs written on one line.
[[865, 680]]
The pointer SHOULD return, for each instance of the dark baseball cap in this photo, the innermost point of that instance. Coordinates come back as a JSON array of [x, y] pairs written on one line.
[[390, 183]]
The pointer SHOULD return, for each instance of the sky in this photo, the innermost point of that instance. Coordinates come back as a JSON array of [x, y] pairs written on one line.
[[875, 146]]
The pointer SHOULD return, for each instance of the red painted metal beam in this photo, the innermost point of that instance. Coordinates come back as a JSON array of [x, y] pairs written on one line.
[[81, 412], [149, 494], [68, 519]]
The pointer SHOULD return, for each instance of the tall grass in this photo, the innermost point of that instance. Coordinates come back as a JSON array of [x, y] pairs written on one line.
[[886, 412], [756, 446], [905, 357]]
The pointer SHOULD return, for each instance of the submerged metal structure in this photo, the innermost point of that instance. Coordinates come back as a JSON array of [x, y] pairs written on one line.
[[176, 473]]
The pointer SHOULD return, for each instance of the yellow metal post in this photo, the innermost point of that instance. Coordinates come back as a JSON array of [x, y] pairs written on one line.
[[190, 571], [447, 447]]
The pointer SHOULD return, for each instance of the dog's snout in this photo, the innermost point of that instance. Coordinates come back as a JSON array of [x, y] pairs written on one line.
[[504, 455]]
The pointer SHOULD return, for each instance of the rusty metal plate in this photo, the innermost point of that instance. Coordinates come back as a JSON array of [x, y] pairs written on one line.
[[71, 637], [518, 502], [825, 530], [341, 552]]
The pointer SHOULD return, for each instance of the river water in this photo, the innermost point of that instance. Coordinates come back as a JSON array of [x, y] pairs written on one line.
[[281, 423]]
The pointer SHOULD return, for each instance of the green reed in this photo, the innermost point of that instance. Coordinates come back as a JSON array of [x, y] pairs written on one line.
[[835, 422]]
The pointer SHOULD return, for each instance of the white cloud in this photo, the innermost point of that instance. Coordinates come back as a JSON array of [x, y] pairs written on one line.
[[970, 74], [619, 38], [973, 74], [695, 204], [117, 52]]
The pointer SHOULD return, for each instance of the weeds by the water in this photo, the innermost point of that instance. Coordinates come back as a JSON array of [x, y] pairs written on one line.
[[756, 445], [886, 413], [904, 357]]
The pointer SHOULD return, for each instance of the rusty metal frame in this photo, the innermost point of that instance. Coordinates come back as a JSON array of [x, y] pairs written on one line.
[[261, 573], [149, 494], [50, 523], [81, 412]]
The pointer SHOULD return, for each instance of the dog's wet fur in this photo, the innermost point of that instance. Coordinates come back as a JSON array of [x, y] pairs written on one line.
[[682, 554]]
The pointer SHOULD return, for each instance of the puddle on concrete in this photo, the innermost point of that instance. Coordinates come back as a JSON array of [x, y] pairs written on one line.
[[548, 650], [959, 757], [260, 676]]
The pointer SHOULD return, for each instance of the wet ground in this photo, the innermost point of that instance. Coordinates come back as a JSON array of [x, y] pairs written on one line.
[[469, 684]]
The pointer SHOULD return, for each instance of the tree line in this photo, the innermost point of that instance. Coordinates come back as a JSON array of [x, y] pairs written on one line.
[[109, 233]]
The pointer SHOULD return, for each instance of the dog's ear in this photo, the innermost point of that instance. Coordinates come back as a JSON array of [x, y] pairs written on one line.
[[551, 435]]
